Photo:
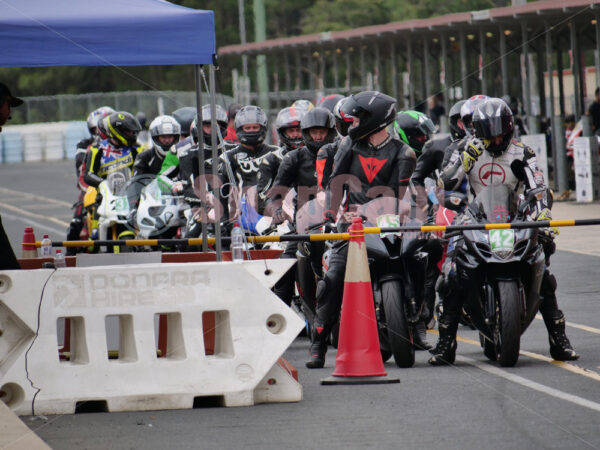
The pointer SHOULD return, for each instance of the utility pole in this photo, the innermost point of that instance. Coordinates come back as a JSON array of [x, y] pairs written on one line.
[[260, 34]]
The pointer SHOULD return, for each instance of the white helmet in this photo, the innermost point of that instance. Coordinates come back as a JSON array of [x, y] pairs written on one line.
[[164, 126]]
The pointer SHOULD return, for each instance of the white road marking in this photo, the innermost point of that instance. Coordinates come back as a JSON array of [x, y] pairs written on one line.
[[579, 252], [33, 223], [10, 192], [531, 384], [560, 364], [21, 211]]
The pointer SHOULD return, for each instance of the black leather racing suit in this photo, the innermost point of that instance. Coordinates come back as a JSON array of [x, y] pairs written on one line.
[[382, 170], [267, 172], [297, 170], [325, 158], [188, 170], [148, 162], [76, 224], [239, 167]]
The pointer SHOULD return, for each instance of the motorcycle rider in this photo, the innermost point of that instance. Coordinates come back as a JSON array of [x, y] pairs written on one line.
[[297, 171], [239, 166], [416, 129], [144, 136], [165, 131], [119, 150], [492, 143], [381, 163], [330, 101], [83, 146], [327, 152], [185, 116], [232, 111], [288, 129]]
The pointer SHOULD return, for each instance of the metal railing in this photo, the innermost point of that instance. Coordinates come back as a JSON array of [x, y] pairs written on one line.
[[60, 108]]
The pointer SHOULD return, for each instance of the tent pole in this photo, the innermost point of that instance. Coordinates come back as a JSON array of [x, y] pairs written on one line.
[[201, 172], [215, 152]]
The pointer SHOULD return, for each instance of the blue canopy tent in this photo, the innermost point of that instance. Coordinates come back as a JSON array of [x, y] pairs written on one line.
[[35, 33], [39, 33]]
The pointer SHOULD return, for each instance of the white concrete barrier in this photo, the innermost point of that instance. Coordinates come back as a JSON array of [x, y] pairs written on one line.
[[252, 328]]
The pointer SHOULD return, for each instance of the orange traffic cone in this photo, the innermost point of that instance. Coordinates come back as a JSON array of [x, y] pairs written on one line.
[[358, 359], [28, 249]]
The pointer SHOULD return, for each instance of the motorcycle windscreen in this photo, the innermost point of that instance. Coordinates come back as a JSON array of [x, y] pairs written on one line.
[[311, 215], [498, 203], [383, 212]]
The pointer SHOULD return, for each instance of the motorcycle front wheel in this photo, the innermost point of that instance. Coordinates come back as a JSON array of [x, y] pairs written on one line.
[[510, 331], [399, 334]]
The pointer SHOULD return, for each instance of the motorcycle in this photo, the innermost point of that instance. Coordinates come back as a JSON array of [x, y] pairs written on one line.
[[159, 212], [397, 266], [108, 209], [500, 271], [397, 270]]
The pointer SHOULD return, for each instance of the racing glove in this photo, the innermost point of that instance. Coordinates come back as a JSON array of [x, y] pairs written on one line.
[[469, 156], [279, 216], [545, 214]]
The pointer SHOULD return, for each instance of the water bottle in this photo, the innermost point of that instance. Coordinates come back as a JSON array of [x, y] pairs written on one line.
[[59, 259], [46, 247], [237, 243]]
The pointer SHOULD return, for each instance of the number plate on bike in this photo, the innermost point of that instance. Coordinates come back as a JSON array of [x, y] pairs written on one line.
[[388, 220], [502, 239], [121, 205]]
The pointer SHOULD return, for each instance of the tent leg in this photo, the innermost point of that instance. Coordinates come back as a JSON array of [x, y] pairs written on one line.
[[201, 172], [215, 151]]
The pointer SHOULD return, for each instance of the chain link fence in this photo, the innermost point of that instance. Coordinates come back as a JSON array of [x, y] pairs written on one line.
[[60, 108]]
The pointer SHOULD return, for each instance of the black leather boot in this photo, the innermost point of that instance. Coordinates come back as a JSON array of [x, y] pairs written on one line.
[[560, 346], [318, 348], [445, 350], [420, 337]]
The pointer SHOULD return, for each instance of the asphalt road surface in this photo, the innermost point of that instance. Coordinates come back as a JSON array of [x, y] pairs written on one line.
[[473, 404]]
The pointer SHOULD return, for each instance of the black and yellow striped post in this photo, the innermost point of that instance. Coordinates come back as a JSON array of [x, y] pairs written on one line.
[[318, 237]]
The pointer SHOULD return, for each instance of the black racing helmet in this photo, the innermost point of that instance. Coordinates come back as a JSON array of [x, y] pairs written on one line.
[[318, 118], [466, 110], [414, 128], [493, 118], [374, 110], [221, 119], [247, 115], [329, 101], [123, 128], [457, 131], [288, 118], [342, 121], [185, 116]]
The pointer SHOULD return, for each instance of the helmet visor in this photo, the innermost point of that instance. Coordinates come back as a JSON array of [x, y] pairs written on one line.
[[493, 126]]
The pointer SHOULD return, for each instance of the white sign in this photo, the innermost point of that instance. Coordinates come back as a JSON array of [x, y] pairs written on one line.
[[585, 155], [538, 143]]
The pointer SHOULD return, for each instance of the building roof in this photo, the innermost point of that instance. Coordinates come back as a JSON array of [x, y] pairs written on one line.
[[546, 9]]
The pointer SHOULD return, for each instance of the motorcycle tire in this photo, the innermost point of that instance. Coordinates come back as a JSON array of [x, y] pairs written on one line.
[[510, 329], [399, 333]]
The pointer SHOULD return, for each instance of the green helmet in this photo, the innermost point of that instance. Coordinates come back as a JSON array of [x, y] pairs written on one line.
[[414, 128]]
